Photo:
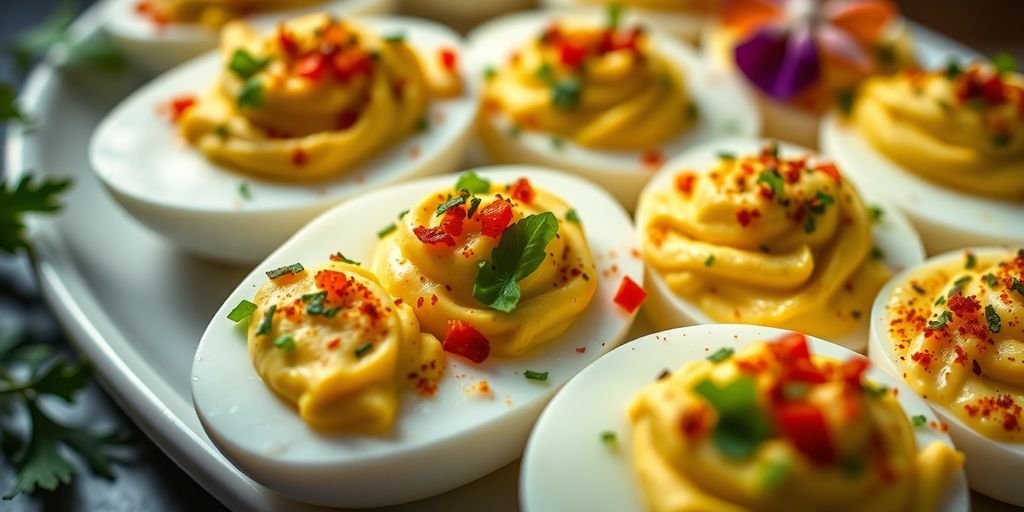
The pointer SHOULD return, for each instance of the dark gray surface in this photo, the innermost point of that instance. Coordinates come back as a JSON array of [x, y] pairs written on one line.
[[146, 480]]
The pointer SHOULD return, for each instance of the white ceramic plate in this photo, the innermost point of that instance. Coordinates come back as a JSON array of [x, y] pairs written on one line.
[[136, 305], [173, 188], [683, 25], [994, 468], [725, 107], [893, 235], [567, 467], [446, 441], [157, 48]]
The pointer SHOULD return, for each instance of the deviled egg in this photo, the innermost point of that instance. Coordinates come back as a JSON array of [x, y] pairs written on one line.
[[953, 328], [159, 34], [450, 311], [291, 121], [599, 95], [738, 417], [946, 146], [682, 18], [802, 57], [746, 230]]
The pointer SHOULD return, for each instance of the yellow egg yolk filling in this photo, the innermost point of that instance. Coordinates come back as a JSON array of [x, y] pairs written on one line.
[[332, 342], [604, 88], [765, 240], [314, 98], [213, 13], [958, 333], [434, 261], [960, 128], [773, 426]]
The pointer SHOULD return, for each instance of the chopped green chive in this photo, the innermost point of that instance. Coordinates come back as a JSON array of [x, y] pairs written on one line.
[[940, 301], [245, 64], [363, 349], [608, 437], [338, 256], [243, 310], [402, 213], [710, 260], [970, 261], [940, 322], [294, 268], [917, 288], [1017, 285], [473, 205], [876, 213], [285, 342], [726, 155], [244, 190], [532, 375], [387, 230], [268, 321], [991, 280], [962, 280], [918, 420], [721, 354], [565, 94], [452, 202], [995, 324], [572, 216], [397, 37]]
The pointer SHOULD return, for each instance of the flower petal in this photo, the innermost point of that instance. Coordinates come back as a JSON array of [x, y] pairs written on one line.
[[779, 63], [742, 16], [837, 44], [864, 20]]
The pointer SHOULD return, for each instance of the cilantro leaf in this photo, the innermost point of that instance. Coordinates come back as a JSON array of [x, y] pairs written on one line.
[[26, 196], [518, 254], [473, 183]]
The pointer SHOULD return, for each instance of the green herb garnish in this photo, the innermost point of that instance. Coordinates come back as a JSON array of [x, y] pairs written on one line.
[[608, 437], [940, 301], [243, 310], [991, 280], [338, 256], [1017, 285], [721, 354], [774, 180], [294, 268], [1004, 63], [473, 205], [244, 190], [970, 261], [387, 230], [245, 64], [875, 390], [918, 420], [469, 181], [268, 321], [557, 143], [773, 474], [27, 196], [941, 321], [490, 72], [532, 375], [614, 15], [565, 94], [251, 95], [572, 216], [396, 37], [876, 213], [710, 260], [285, 342], [452, 202], [995, 324], [315, 305], [877, 254], [726, 155], [953, 69], [518, 254], [742, 425], [809, 224], [363, 349], [845, 99]]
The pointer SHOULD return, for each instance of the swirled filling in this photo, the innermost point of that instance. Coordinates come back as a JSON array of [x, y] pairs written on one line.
[[958, 332], [489, 267], [333, 342], [773, 425], [314, 98], [601, 87], [765, 239], [963, 128]]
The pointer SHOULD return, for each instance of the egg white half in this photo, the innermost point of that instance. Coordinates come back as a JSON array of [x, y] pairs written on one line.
[[436, 444]]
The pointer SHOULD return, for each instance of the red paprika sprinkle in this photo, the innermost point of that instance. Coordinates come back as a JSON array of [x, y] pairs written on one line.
[[653, 158], [684, 182]]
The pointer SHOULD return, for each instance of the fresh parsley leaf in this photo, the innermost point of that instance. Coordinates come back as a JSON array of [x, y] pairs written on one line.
[[918, 420], [26, 196], [245, 64], [294, 268], [742, 425], [251, 95], [518, 254], [473, 183], [940, 322], [532, 375], [566, 93], [243, 310], [315, 305], [774, 182], [9, 110], [995, 324], [721, 354]]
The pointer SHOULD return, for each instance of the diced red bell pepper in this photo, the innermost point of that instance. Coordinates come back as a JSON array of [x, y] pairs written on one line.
[[572, 54], [351, 63], [522, 191], [449, 59], [790, 347], [180, 105], [630, 295], [451, 223], [495, 217], [830, 169], [311, 66], [464, 340], [287, 42], [853, 370], [434, 235], [803, 424], [993, 90]]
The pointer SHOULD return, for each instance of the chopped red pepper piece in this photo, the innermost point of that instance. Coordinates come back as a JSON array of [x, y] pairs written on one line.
[[335, 283], [685, 181], [630, 295], [831, 169], [653, 158], [853, 371], [451, 223], [495, 217], [286, 41], [180, 105], [449, 59], [803, 424], [311, 66], [351, 63], [572, 54], [434, 235], [790, 347], [522, 191], [464, 340]]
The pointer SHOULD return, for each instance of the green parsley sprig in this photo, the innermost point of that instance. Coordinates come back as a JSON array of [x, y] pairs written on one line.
[[28, 195]]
